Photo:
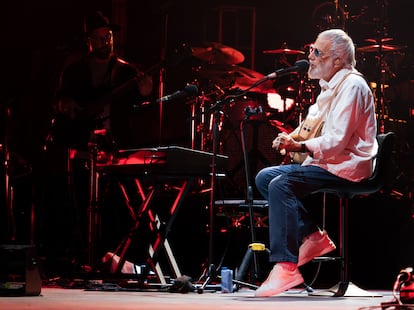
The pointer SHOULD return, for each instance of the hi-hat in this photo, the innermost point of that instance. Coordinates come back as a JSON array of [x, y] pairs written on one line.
[[286, 51], [216, 53], [375, 48]]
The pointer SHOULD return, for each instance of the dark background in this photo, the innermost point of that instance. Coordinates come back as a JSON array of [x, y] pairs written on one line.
[[39, 37]]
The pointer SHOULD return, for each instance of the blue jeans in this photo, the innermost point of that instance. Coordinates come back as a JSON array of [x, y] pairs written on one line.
[[289, 221]]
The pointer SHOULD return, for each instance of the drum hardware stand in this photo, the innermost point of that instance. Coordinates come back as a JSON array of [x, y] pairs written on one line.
[[11, 225], [193, 121], [210, 273], [381, 65], [199, 128], [301, 101], [161, 86], [93, 218], [202, 119]]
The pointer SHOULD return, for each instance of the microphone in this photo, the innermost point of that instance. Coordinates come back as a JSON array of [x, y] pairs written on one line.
[[189, 90], [301, 65]]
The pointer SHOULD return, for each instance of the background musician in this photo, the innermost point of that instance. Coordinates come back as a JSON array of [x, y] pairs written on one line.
[[97, 90]]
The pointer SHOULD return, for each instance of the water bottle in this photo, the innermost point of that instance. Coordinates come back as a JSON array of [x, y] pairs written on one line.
[[226, 280]]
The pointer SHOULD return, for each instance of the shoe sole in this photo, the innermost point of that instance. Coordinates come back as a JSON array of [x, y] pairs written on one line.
[[284, 288], [325, 251]]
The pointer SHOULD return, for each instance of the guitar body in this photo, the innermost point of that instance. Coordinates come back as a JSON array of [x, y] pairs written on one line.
[[69, 132], [310, 128]]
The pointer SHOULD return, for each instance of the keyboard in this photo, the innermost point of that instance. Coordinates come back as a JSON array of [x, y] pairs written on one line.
[[167, 160]]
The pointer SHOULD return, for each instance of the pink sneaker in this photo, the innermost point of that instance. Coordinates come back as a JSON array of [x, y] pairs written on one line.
[[312, 248], [278, 281]]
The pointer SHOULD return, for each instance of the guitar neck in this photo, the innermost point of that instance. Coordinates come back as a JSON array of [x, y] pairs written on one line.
[[96, 105]]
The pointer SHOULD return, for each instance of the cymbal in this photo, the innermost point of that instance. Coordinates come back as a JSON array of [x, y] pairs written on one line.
[[218, 73], [245, 77], [372, 40], [375, 48], [286, 51], [233, 76], [216, 53]]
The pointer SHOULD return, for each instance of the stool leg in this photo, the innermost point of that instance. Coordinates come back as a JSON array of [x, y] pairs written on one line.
[[344, 288], [343, 242]]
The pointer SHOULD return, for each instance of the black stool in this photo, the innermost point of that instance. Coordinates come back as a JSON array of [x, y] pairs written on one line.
[[380, 178]]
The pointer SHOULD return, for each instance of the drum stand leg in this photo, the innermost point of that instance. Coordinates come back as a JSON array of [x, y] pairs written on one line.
[[11, 224], [93, 219], [210, 273]]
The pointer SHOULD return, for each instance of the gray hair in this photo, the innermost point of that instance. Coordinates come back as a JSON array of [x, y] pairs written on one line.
[[342, 45]]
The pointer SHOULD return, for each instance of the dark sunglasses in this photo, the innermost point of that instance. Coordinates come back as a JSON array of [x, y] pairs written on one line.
[[315, 51]]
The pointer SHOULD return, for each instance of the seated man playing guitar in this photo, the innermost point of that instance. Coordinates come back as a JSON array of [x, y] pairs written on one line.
[[338, 141]]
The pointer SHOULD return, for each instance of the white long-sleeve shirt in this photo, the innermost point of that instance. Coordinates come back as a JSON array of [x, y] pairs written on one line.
[[348, 142]]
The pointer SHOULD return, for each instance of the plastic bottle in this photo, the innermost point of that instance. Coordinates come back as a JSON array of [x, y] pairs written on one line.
[[226, 280]]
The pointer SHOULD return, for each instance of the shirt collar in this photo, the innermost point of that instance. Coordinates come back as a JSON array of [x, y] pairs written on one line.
[[334, 80]]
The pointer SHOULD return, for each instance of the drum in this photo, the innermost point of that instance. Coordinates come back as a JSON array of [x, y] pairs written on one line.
[[279, 104]]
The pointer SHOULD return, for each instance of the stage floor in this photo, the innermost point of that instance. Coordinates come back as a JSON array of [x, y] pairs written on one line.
[[81, 299]]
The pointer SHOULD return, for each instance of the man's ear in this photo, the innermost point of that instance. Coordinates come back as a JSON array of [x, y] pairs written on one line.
[[337, 61]]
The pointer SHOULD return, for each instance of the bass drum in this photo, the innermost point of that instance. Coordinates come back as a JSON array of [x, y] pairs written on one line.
[[259, 134]]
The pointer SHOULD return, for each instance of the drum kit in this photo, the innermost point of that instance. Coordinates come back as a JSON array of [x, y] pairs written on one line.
[[274, 105], [284, 101], [218, 71], [379, 62], [220, 74]]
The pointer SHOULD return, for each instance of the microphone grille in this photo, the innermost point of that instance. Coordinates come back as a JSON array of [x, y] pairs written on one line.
[[302, 65], [191, 89]]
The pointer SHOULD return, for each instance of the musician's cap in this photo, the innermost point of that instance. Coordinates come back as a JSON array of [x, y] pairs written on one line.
[[97, 20]]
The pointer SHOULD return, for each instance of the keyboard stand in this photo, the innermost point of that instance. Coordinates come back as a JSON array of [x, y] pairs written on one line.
[[161, 231]]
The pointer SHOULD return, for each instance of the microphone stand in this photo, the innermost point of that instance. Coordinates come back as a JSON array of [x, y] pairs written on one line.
[[217, 112], [161, 85], [249, 190], [211, 271]]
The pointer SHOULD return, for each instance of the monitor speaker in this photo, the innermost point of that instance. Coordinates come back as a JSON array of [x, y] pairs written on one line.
[[19, 271]]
